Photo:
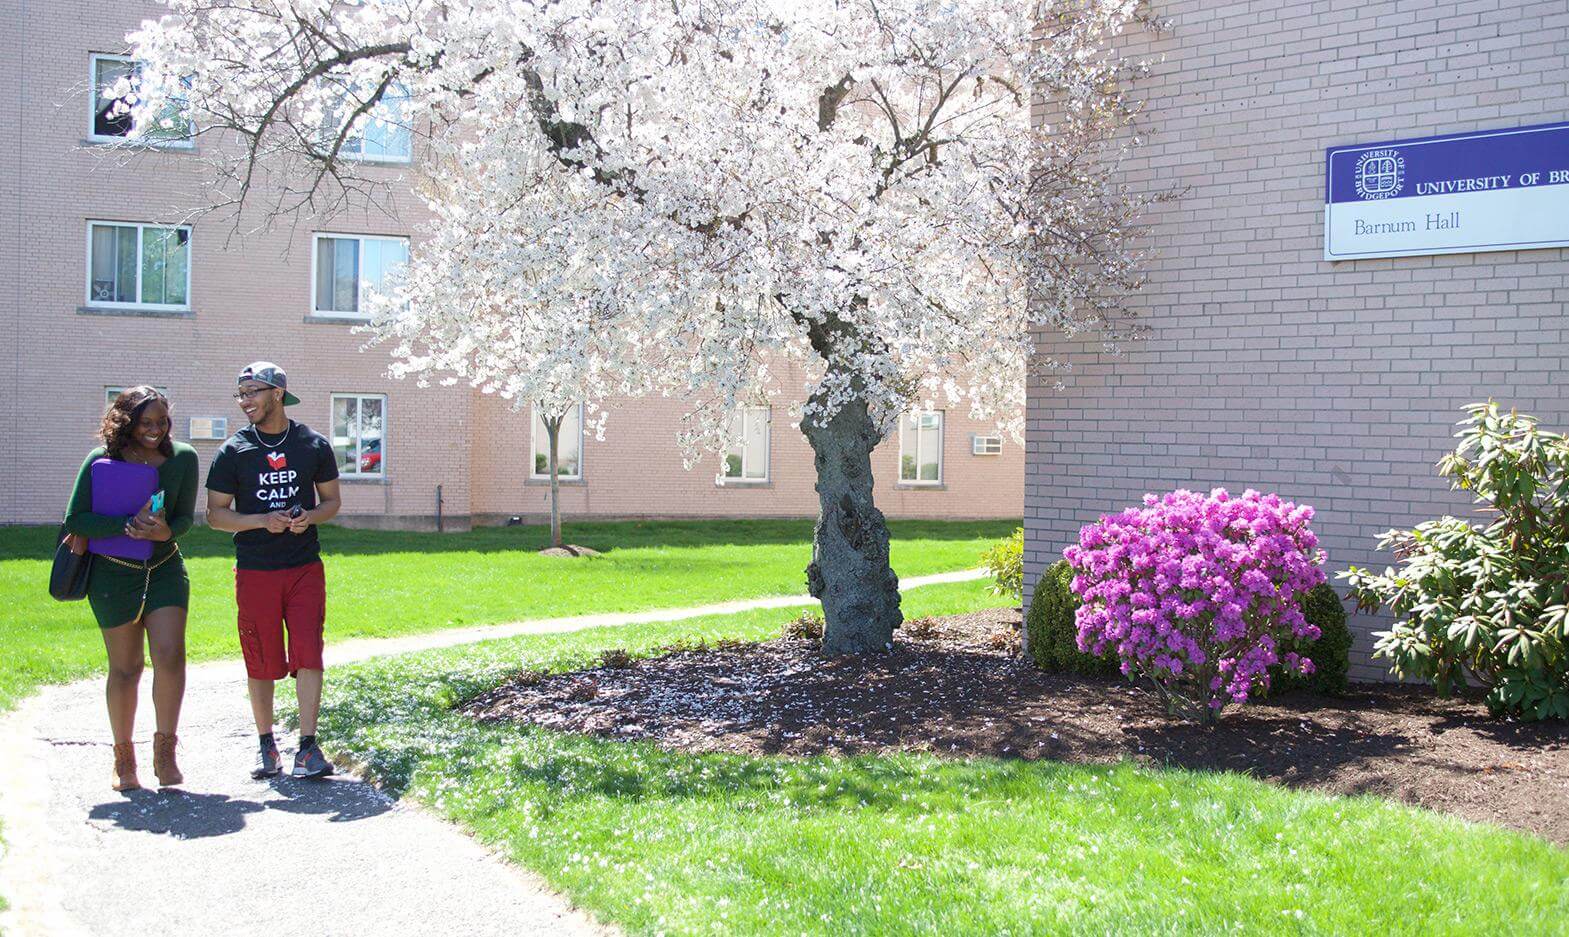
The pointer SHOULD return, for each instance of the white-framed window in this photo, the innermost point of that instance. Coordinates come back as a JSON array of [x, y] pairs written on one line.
[[359, 438], [345, 268], [138, 265], [920, 447], [748, 460], [111, 117], [384, 134], [985, 444], [569, 446]]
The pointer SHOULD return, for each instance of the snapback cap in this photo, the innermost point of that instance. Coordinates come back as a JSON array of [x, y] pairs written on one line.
[[265, 372]]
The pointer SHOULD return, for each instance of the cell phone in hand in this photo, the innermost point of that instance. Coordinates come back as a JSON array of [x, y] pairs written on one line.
[[155, 504], [296, 511]]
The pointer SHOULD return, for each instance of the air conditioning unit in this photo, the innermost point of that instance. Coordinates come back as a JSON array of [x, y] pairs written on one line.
[[209, 427], [985, 445]]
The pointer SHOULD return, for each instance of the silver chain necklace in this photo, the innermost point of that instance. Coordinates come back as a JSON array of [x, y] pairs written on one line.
[[266, 445]]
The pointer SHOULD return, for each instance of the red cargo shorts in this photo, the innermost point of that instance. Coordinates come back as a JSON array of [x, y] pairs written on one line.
[[270, 598]]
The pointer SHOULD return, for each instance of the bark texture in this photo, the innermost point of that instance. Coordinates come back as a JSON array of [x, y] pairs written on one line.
[[849, 572]]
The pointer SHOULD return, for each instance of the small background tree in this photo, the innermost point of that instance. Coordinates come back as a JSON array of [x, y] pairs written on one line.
[[552, 424]]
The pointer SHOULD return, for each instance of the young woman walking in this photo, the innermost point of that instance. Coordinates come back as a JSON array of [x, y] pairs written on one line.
[[137, 602]]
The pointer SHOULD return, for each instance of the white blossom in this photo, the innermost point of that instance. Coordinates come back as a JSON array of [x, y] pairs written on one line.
[[682, 197]]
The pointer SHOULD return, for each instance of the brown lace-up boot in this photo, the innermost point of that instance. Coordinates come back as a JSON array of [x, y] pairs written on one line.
[[163, 760], [125, 767]]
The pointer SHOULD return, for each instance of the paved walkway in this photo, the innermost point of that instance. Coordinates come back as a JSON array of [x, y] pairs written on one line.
[[228, 855]]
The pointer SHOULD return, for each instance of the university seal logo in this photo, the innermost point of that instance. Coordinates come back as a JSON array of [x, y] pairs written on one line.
[[1380, 174]]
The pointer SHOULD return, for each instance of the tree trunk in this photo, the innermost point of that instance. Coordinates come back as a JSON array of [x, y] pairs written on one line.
[[849, 572], [553, 432]]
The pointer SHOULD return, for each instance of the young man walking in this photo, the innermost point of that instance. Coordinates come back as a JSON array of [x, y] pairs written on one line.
[[270, 485]]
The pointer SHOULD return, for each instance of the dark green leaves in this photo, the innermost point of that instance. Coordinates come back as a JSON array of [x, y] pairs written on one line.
[[1491, 602]]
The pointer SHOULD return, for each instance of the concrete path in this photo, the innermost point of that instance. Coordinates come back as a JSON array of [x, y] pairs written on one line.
[[228, 855]]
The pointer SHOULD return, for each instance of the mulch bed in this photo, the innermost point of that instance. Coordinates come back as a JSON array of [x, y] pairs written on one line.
[[962, 692]]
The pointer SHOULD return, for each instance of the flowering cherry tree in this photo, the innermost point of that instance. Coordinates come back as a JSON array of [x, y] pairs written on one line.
[[694, 197]]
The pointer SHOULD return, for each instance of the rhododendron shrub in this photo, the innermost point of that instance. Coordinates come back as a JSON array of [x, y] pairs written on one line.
[[1489, 601], [1198, 592]]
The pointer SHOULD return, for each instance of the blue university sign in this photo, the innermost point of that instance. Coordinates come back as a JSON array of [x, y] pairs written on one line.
[[1491, 190]]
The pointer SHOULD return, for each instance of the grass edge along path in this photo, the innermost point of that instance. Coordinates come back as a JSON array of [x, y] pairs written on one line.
[[655, 841], [393, 583]]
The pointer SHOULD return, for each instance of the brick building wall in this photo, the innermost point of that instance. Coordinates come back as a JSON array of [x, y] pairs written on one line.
[[636, 470], [1335, 384], [14, 58], [250, 298], [249, 295]]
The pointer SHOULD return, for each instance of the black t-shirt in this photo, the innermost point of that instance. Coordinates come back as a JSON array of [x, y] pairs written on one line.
[[266, 478]]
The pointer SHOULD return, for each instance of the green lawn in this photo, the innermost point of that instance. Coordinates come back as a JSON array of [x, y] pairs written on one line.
[[661, 842], [383, 583]]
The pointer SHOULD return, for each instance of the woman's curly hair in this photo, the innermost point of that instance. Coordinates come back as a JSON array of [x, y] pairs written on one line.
[[122, 416]]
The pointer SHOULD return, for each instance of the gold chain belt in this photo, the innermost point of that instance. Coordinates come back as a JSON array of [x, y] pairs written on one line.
[[149, 567], [147, 578]]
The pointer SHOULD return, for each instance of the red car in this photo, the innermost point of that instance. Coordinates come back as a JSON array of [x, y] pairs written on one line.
[[370, 457]]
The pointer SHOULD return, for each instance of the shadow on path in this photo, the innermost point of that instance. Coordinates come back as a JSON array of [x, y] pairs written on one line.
[[178, 813], [341, 801], [185, 815]]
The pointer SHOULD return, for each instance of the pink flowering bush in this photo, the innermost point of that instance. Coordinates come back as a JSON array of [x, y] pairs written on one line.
[[1198, 593]]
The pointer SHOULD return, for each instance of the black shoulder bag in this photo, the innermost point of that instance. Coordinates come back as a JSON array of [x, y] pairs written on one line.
[[72, 563]]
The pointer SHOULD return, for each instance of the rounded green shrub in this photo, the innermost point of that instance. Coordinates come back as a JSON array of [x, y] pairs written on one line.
[[1330, 653], [1053, 633]]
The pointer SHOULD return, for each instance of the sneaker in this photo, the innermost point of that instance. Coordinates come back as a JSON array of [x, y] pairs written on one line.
[[268, 764], [309, 762]]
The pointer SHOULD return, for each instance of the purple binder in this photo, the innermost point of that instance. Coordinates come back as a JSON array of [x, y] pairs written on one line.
[[122, 488]]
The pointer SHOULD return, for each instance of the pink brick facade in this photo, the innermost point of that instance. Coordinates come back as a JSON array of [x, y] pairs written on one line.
[[636, 470], [250, 298], [1335, 384]]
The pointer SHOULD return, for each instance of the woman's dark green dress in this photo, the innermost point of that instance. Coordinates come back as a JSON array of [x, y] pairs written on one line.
[[124, 591]]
